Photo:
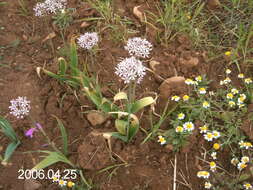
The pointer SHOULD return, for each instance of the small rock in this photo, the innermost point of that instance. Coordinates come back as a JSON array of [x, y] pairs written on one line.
[[31, 184], [96, 118], [213, 4], [190, 62], [138, 13], [171, 86]]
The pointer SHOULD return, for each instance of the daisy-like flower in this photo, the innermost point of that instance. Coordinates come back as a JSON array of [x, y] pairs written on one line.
[[70, 184], [189, 82], [161, 140], [138, 47], [209, 136], [198, 78], [228, 53], [214, 155], [131, 69], [248, 80], [62, 182], [55, 179], [225, 81], [208, 185], [234, 91], [88, 40], [241, 165], [241, 99], [212, 166], [179, 129], [245, 145], [203, 174], [234, 161], [20, 107], [231, 104], [247, 186], [230, 96], [216, 146], [240, 105], [203, 129], [175, 98], [188, 126], [240, 76], [181, 116], [245, 159], [186, 98], [228, 71], [202, 90], [205, 104], [216, 134]]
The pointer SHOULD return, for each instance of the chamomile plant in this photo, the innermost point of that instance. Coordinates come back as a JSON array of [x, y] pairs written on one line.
[[217, 118]]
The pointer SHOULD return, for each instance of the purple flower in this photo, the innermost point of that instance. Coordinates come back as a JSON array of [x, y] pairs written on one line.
[[38, 126], [29, 132]]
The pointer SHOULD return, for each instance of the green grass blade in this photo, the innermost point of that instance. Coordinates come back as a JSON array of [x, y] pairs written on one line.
[[52, 158], [73, 58], [10, 150], [63, 134], [7, 129]]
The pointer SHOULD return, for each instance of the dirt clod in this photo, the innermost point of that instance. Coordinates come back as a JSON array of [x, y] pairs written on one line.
[[96, 118], [31, 184]]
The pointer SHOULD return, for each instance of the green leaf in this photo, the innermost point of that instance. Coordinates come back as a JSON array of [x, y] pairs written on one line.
[[52, 158], [63, 135], [7, 129], [10, 150], [139, 104], [63, 66], [119, 136], [120, 96], [121, 126]]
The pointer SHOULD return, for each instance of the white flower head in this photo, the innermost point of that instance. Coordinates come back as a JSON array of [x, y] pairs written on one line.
[[208, 185], [214, 155], [131, 69], [20, 107], [188, 126], [247, 186], [88, 40], [203, 174], [161, 140], [49, 6], [181, 116], [209, 136], [216, 134], [241, 165], [138, 47], [228, 71], [175, 98], [62, 182], [245, 159]]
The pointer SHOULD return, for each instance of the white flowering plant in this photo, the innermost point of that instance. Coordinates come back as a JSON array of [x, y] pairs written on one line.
[[130, 70]]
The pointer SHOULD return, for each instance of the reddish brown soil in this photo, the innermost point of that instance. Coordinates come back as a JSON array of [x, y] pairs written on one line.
[[148, 166]]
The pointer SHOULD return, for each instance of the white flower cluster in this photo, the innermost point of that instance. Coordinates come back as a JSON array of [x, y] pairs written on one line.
[[130, 69], [20, 107], [49, 6], [138, 47], [88, 40]]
